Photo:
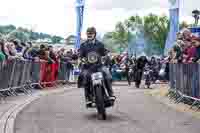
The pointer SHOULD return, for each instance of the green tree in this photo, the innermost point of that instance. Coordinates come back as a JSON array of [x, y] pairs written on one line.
[[156, 30], [120, 36], [110, 42], [24, 34], [7, 29], [71, 40], [56, 39], [133, 22], [34, 35], [18, 35]]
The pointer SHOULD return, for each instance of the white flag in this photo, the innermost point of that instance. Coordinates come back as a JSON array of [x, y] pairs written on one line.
[[174, 4]]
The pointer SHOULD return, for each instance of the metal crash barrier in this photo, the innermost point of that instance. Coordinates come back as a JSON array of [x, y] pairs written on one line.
[[185, 84], [22, 75]]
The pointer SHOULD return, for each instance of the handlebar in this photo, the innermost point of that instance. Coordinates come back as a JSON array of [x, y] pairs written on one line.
[[84, 60]]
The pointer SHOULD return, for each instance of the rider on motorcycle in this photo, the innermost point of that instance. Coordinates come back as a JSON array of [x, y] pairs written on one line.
[[140, 64], [155, 68], [153, 62], [90, 45], [128, 63]]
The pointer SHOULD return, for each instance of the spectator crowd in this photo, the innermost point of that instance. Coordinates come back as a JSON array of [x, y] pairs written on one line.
[[47, 54], [186, 48]]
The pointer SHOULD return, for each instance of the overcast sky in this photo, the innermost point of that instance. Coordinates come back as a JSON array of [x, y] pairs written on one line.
[[59, 16]]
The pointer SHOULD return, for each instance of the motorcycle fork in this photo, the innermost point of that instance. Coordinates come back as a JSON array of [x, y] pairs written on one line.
[[105, 91]]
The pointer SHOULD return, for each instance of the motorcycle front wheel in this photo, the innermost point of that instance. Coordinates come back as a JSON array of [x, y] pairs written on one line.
[[148, 84], [100, 102]]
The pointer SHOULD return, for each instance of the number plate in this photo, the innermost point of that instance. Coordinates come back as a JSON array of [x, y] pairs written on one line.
[[97, 76]]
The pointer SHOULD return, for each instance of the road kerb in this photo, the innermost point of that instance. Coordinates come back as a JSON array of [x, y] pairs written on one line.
[[7, 120]]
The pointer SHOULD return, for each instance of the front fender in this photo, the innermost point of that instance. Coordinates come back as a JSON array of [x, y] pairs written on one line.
[[97, 82]]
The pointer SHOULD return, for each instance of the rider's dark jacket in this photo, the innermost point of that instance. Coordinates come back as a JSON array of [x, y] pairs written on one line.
[[141, 62], [88, 46]]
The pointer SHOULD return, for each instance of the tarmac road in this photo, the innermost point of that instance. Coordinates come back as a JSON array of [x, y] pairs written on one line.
[[134, 112]]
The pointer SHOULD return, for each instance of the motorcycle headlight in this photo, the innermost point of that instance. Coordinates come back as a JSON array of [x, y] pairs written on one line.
[[93, 57], [162, 72]]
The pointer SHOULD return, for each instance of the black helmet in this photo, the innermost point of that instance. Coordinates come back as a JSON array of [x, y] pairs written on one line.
[[91, 30]]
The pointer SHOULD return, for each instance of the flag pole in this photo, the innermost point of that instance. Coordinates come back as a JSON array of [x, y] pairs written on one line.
[[79, 21], [174, 12]]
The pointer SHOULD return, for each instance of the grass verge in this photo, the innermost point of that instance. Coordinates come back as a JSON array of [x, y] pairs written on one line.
[[160, 93]]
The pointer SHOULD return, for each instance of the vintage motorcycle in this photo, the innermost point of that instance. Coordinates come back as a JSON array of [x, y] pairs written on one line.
[[100, 97]]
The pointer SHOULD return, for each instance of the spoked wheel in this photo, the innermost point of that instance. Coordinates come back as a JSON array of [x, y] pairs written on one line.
[[100, 103], [148, 86], [148, 83]]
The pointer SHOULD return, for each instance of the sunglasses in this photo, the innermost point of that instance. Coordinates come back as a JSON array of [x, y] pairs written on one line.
[[90, 33]]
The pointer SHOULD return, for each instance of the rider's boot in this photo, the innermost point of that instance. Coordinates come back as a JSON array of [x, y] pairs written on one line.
[[88, 101], [137, 84], [108, 85]]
